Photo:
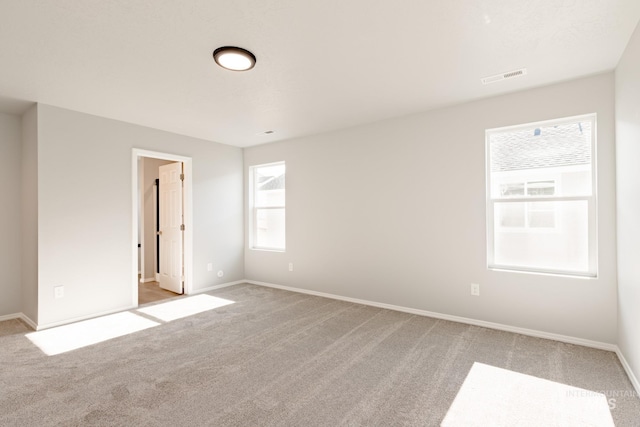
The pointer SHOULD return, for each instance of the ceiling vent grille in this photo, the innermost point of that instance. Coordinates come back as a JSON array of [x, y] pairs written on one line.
[[504, 76]]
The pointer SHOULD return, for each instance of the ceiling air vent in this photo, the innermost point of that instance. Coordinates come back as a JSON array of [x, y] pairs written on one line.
[[504, 76]]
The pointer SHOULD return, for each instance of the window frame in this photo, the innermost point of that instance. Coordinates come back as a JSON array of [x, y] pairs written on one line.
[[255, 208], [591, 200]]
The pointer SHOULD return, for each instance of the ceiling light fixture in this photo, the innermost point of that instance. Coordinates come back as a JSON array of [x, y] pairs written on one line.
[[234, 58]]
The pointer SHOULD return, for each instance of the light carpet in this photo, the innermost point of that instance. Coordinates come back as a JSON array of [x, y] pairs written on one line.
[[276, 358]]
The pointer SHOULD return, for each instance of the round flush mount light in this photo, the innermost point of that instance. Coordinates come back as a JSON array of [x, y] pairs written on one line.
[[234, 58]]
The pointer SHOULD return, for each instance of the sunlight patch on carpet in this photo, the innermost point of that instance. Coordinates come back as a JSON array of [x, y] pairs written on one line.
[[492, 396], [81, 334], [184, 307]]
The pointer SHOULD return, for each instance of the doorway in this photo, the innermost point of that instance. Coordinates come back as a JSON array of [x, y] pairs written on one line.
[[173, 232]]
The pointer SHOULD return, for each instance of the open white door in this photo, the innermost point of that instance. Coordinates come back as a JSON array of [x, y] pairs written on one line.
[[171, 228]]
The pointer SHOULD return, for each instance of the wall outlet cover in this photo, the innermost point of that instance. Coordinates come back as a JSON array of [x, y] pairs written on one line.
[[58, 291], [475, 289]]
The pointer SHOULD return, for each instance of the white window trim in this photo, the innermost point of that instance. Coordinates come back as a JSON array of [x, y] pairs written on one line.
[[592, 204], [253, 223]]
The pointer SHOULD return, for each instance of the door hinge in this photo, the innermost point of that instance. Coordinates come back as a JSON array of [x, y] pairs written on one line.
[[181, 177], [182, 227]]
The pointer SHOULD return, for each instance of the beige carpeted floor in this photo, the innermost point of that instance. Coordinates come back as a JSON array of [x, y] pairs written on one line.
[[280, 358]]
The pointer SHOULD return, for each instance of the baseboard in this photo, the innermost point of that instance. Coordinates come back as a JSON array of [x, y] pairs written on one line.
[[213, 288], [629, 371], [20, 316], [28, 321], [148, 279], [10, 316], [490, 325], [40, 327]]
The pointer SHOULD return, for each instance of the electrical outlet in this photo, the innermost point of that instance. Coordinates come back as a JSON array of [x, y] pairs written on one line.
[[58, 291], [290, 266], [475, 289], [220, 273], [210, 267]]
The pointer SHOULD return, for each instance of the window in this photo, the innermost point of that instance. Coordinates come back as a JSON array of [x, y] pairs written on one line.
[[268, 206], [541, 205], [529, 215]]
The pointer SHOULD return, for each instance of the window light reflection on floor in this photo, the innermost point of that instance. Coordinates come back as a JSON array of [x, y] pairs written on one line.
[[81, 334], [85, 333], [500, 397], [180, 308]]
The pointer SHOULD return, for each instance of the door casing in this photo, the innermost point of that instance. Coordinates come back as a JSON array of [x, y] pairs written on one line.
[[188, 217]]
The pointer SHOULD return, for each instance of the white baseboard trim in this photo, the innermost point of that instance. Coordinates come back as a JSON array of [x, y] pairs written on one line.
[[147, 280], [213, 288], [20, 316], [28, 321], [490, 325], [628, 370], [40, 327], [10, 316]]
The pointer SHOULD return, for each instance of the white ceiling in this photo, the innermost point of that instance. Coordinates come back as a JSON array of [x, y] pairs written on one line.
[[322, 64]]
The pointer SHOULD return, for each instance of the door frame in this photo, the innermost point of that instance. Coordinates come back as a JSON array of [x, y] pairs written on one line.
[[188, 216]]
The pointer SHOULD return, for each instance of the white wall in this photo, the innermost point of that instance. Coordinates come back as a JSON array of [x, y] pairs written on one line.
[[29, 261], [10, 218], [150, 173], [85, 222], [628, 201], [394, 212]]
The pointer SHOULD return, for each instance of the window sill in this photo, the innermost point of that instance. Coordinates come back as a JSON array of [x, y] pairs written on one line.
[[268, 250], [564, 274]]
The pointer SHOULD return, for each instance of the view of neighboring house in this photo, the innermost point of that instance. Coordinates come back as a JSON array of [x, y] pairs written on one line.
[[541, 180]]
